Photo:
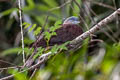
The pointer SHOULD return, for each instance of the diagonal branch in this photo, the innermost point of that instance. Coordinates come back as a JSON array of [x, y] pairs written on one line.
[[95, 28]]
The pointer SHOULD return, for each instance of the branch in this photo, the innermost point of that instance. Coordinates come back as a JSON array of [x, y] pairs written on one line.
[[95, 28], [22, 38]]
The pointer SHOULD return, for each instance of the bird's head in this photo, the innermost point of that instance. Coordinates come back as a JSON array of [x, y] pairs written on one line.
[[72, 20]]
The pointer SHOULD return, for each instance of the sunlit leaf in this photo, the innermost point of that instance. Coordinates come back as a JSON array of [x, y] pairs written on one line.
[[54, 49], [7, 12], [33, 27], [42, 7], [26, 25], [76, 7], [37, 31], [52, 29], [31, 3], [11, 51], [40, 51], [58, 23], [47, 35], [12, 71], [28, 41], [63, 46], [51, 3], [53, 33], [108, 65]]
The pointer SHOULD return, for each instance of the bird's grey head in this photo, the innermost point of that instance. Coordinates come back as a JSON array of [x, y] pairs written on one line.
[[71, 20]]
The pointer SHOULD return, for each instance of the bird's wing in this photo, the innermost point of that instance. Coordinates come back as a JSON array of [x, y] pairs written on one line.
[[65, 33], [40, 41]]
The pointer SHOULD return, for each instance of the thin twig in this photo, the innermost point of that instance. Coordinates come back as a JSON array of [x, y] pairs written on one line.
[[22, 38], [102, 4], [11, 67], [69, 1], [34, 72], [3, 61], [117, 18]]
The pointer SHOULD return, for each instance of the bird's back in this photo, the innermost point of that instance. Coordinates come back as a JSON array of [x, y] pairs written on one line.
[[65, 33]]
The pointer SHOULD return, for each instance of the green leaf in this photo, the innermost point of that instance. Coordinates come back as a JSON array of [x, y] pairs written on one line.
[[58, 23], [7, 12], [54, 49], [12, 71], [31, 4], [40, 51], [53, 33], [21, 76], [42, 7], [47, 35], [63, 46], [108, 65], [34, 25], [28, 51], [18, 75], [28, 41], [76, 7], [11, 51], [51, 3], [37, 31], [117, 46], [85, 45], [52, 29], [26, 25]]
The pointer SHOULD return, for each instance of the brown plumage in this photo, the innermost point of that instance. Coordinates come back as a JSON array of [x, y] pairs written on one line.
[[65, 33]]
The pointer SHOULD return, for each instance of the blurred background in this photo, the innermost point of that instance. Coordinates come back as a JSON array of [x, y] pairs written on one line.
[[99, 61]]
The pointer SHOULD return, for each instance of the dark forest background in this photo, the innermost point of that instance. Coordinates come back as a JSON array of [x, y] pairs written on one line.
[[98, 61]]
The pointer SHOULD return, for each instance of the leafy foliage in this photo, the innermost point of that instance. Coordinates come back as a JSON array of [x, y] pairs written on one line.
[[11, 51], [51, 32], [18, 76], [39, 53], [36, 31], [63, 66]]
